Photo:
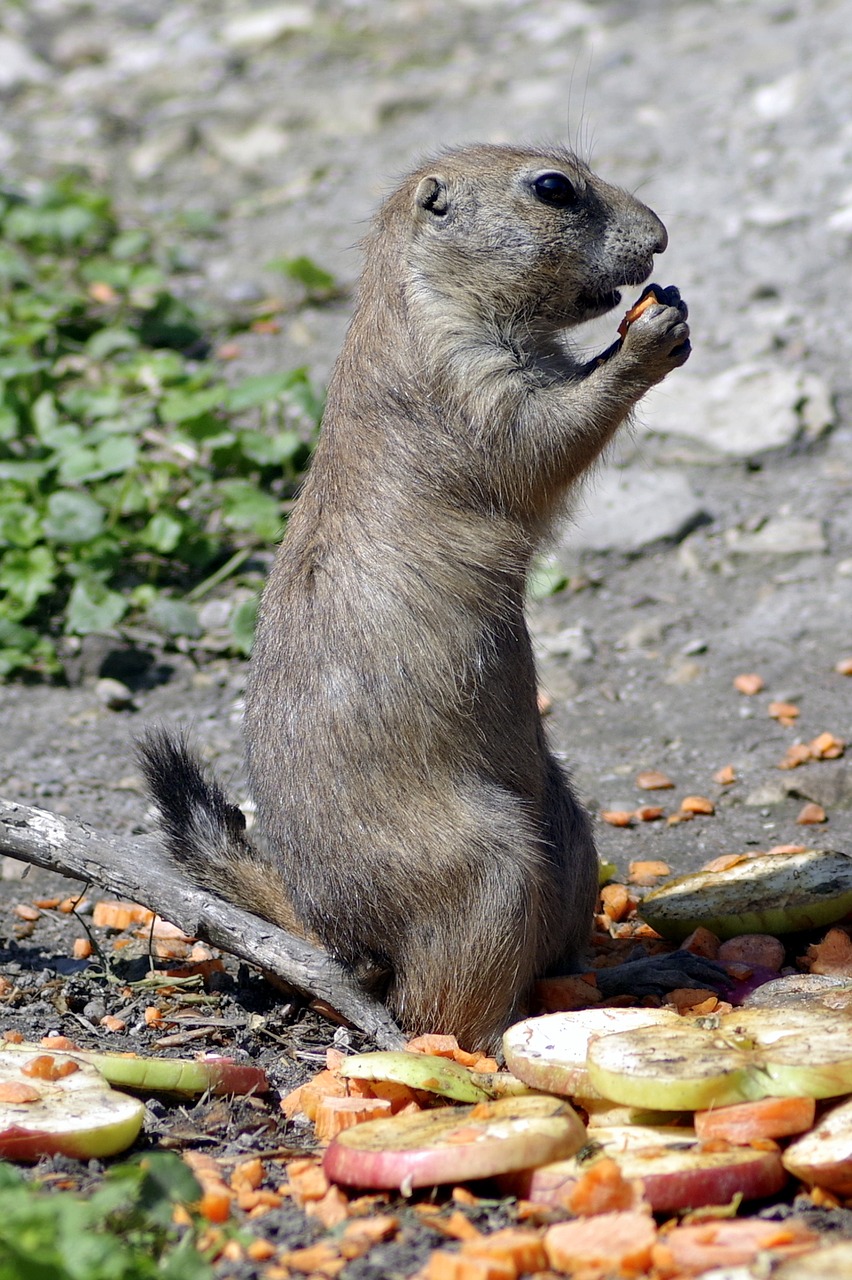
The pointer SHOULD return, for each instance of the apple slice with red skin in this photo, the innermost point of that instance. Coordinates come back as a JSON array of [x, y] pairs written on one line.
[[549, 1052], [65, 1108], [674, 1170], [454, 1144], [186, 1076], [823, 1157]]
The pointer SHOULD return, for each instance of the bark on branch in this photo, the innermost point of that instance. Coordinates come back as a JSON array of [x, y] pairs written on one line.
[[138, 870]]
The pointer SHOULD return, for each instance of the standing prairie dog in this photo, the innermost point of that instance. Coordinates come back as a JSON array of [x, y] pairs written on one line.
[[410, 814]]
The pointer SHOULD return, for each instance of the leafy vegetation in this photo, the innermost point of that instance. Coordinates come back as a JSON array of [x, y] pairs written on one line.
[[133, 477], [123, 1231]]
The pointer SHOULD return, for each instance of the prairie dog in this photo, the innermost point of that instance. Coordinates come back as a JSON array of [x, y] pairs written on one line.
[[410, 814]]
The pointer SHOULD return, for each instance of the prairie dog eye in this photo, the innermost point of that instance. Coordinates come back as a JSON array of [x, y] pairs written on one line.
[[554, 188]]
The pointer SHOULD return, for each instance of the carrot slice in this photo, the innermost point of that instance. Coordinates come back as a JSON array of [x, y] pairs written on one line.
[[694, 1249], [621, 1242], [746, 1122]]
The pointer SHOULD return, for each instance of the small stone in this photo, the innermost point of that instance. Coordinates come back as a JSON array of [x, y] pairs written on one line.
[[749, 409], [630, 508], [767, 796], [19, 67], [250, 148], [780, 536], [265, 26], [574, 643], [113, 694]]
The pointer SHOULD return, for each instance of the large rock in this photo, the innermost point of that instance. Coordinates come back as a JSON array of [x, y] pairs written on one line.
[[633, 507], [745, 411]]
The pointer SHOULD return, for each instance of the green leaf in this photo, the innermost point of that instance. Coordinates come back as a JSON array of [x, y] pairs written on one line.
[[93, 607], [27, 575], [73, 517], [162, 533], [259, 389], [271, 451], [19, 524], [242, 623], [318, 283], [545, 579], [184, 406], [247, 508], [175, 617], [106, 342], [9, 426]]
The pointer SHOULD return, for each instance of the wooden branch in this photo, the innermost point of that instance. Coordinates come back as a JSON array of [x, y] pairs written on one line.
[[139, 870]]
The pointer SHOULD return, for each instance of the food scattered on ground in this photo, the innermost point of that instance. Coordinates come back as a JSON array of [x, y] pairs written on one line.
[[749, 684], [653, 780], [769, 893]]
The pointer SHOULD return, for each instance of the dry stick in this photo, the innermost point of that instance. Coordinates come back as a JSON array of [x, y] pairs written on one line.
[[139, 870]]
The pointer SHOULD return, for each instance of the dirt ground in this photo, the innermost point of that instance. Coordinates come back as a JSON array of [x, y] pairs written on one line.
[[718, 538]]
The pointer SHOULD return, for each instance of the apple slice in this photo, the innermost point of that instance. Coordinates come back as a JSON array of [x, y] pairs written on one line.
[[770, 893], [188, 1076], [823, 1157], [549, 1052], [739, 1057], [53, 1104], [675, 1171], [811, 990], [453, 1144], [418, 1071]]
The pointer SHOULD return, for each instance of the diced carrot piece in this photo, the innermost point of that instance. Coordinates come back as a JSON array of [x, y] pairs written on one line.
[[45, 1067], [17, 1091], [307, 1180], [336, 1114], [726, 776], [833, 955], [81, 948], [701, 942], [653, 780], [216, 1195], [248, 1174], [524, 1249], [616, 900], [485, 1064], [558, 995], [327, 1084], [322, 1257], [811, 815], [13, 1037], [797, 753], [441, 1046], [647, 871], [617, 817], [25, 912], [735, 1242], [120, 915], [398, 1095], [110, 1023], [749, 683], [59, 1042], [331, 1209], [620, 1242], [697, 804], [603, 1189], [744, 1122], [443, 1265], [260, 1251], [649, 813], [825, 746], [784, 711]]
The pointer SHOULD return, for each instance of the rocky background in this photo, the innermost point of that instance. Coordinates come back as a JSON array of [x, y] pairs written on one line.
[[717, 540]]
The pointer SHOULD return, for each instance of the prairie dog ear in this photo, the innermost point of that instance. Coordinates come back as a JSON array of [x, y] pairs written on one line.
[[431, 199]]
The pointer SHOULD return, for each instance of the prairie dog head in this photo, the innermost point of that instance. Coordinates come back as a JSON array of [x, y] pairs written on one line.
[[507, 233]]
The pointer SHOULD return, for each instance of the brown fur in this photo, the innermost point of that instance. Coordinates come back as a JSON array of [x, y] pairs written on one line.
[[410, 810]]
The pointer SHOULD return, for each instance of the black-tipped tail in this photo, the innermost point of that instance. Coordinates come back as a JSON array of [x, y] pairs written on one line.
[[199, 823]]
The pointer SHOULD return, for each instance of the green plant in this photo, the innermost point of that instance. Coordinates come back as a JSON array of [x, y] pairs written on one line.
[[132, 475], [122, 1231]]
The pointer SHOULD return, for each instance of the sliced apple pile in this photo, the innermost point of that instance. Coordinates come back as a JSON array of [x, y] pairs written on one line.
[[740, 1056], [453, 1144], [768, 893], [54, 1104], [675, 1170]]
